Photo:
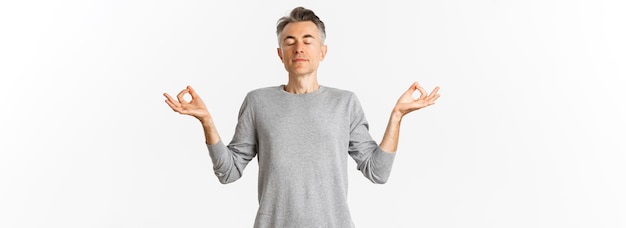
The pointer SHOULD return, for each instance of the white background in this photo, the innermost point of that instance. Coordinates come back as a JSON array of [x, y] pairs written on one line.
[[529, 130]]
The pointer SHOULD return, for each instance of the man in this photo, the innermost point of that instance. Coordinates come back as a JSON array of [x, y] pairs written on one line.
[[301, 133]]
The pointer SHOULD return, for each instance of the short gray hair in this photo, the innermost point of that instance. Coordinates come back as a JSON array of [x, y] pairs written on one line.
[[300, 14]]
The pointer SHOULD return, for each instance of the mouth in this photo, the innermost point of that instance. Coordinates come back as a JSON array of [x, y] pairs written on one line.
[[299, 60]]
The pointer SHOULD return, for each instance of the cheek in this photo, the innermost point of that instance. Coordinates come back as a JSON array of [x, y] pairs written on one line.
[[315, 51], [285, 53]]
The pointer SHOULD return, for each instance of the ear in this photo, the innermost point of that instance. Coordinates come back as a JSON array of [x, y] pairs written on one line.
[[280, 54], [324, 50]]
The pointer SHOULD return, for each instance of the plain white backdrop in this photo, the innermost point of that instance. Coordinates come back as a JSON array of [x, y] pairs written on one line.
[[529, 130]]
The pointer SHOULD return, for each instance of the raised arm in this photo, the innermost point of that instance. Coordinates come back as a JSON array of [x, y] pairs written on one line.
[[228, 161], [197, 109], [405, 104]]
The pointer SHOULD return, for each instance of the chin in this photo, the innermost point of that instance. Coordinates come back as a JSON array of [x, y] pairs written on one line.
[[300, 71]]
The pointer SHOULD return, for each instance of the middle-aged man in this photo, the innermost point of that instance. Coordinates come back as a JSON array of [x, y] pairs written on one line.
[[301, 133]]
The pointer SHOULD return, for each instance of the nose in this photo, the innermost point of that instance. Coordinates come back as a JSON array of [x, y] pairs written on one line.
[[299, 48]]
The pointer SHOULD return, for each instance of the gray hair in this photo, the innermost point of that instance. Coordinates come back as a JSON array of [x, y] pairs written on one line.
[[300, 14]]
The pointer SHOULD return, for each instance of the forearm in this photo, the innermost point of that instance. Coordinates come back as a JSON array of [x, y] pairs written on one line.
[[210, 131], [221, 156], [229, 160], [392, 133]]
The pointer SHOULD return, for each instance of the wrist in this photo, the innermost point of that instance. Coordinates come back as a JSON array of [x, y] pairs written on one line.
[[206, 121], [396, 115]]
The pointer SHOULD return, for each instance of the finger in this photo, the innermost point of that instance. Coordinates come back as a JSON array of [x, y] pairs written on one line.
[[173, 105], [192, 92], [433, 99], [414, 85], [411, 89], [169, 98], [180, 95], [423, 93], [434, 92]]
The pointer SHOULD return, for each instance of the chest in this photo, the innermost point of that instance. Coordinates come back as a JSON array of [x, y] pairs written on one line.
[[312, 120]]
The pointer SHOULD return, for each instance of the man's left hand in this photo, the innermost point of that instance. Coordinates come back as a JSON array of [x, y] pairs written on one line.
[[406, 103]]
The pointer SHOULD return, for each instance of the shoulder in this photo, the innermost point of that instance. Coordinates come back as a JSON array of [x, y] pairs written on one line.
[[262, 93], [347, 96], [257, 98], [336, 92]]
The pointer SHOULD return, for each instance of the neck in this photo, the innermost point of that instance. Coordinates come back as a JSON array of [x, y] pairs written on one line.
[[301, 84]]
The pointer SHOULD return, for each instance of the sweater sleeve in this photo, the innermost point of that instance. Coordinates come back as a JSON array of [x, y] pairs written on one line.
[[373, 162], [230, 161]]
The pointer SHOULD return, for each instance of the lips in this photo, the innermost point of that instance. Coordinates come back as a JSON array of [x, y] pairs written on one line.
[[299, 60]]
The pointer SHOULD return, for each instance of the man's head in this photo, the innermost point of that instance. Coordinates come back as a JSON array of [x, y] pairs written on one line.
[[300, 14], [301, 38]]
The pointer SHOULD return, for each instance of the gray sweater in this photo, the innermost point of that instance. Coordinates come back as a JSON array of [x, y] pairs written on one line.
[[301, 142]]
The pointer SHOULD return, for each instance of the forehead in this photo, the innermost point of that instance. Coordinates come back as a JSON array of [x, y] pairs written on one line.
[[300, 29]]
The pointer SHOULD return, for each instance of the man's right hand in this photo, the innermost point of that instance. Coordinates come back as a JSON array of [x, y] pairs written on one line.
[[195, 107]]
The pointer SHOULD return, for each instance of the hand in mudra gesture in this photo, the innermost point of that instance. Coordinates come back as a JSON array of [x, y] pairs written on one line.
[[195, 107], [406, 103]]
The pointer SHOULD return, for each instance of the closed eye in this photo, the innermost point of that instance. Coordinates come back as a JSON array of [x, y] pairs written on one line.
[[290, 41], [308, 39]]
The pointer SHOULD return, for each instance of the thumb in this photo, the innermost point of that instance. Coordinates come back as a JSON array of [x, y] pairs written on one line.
[[412, 88]]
